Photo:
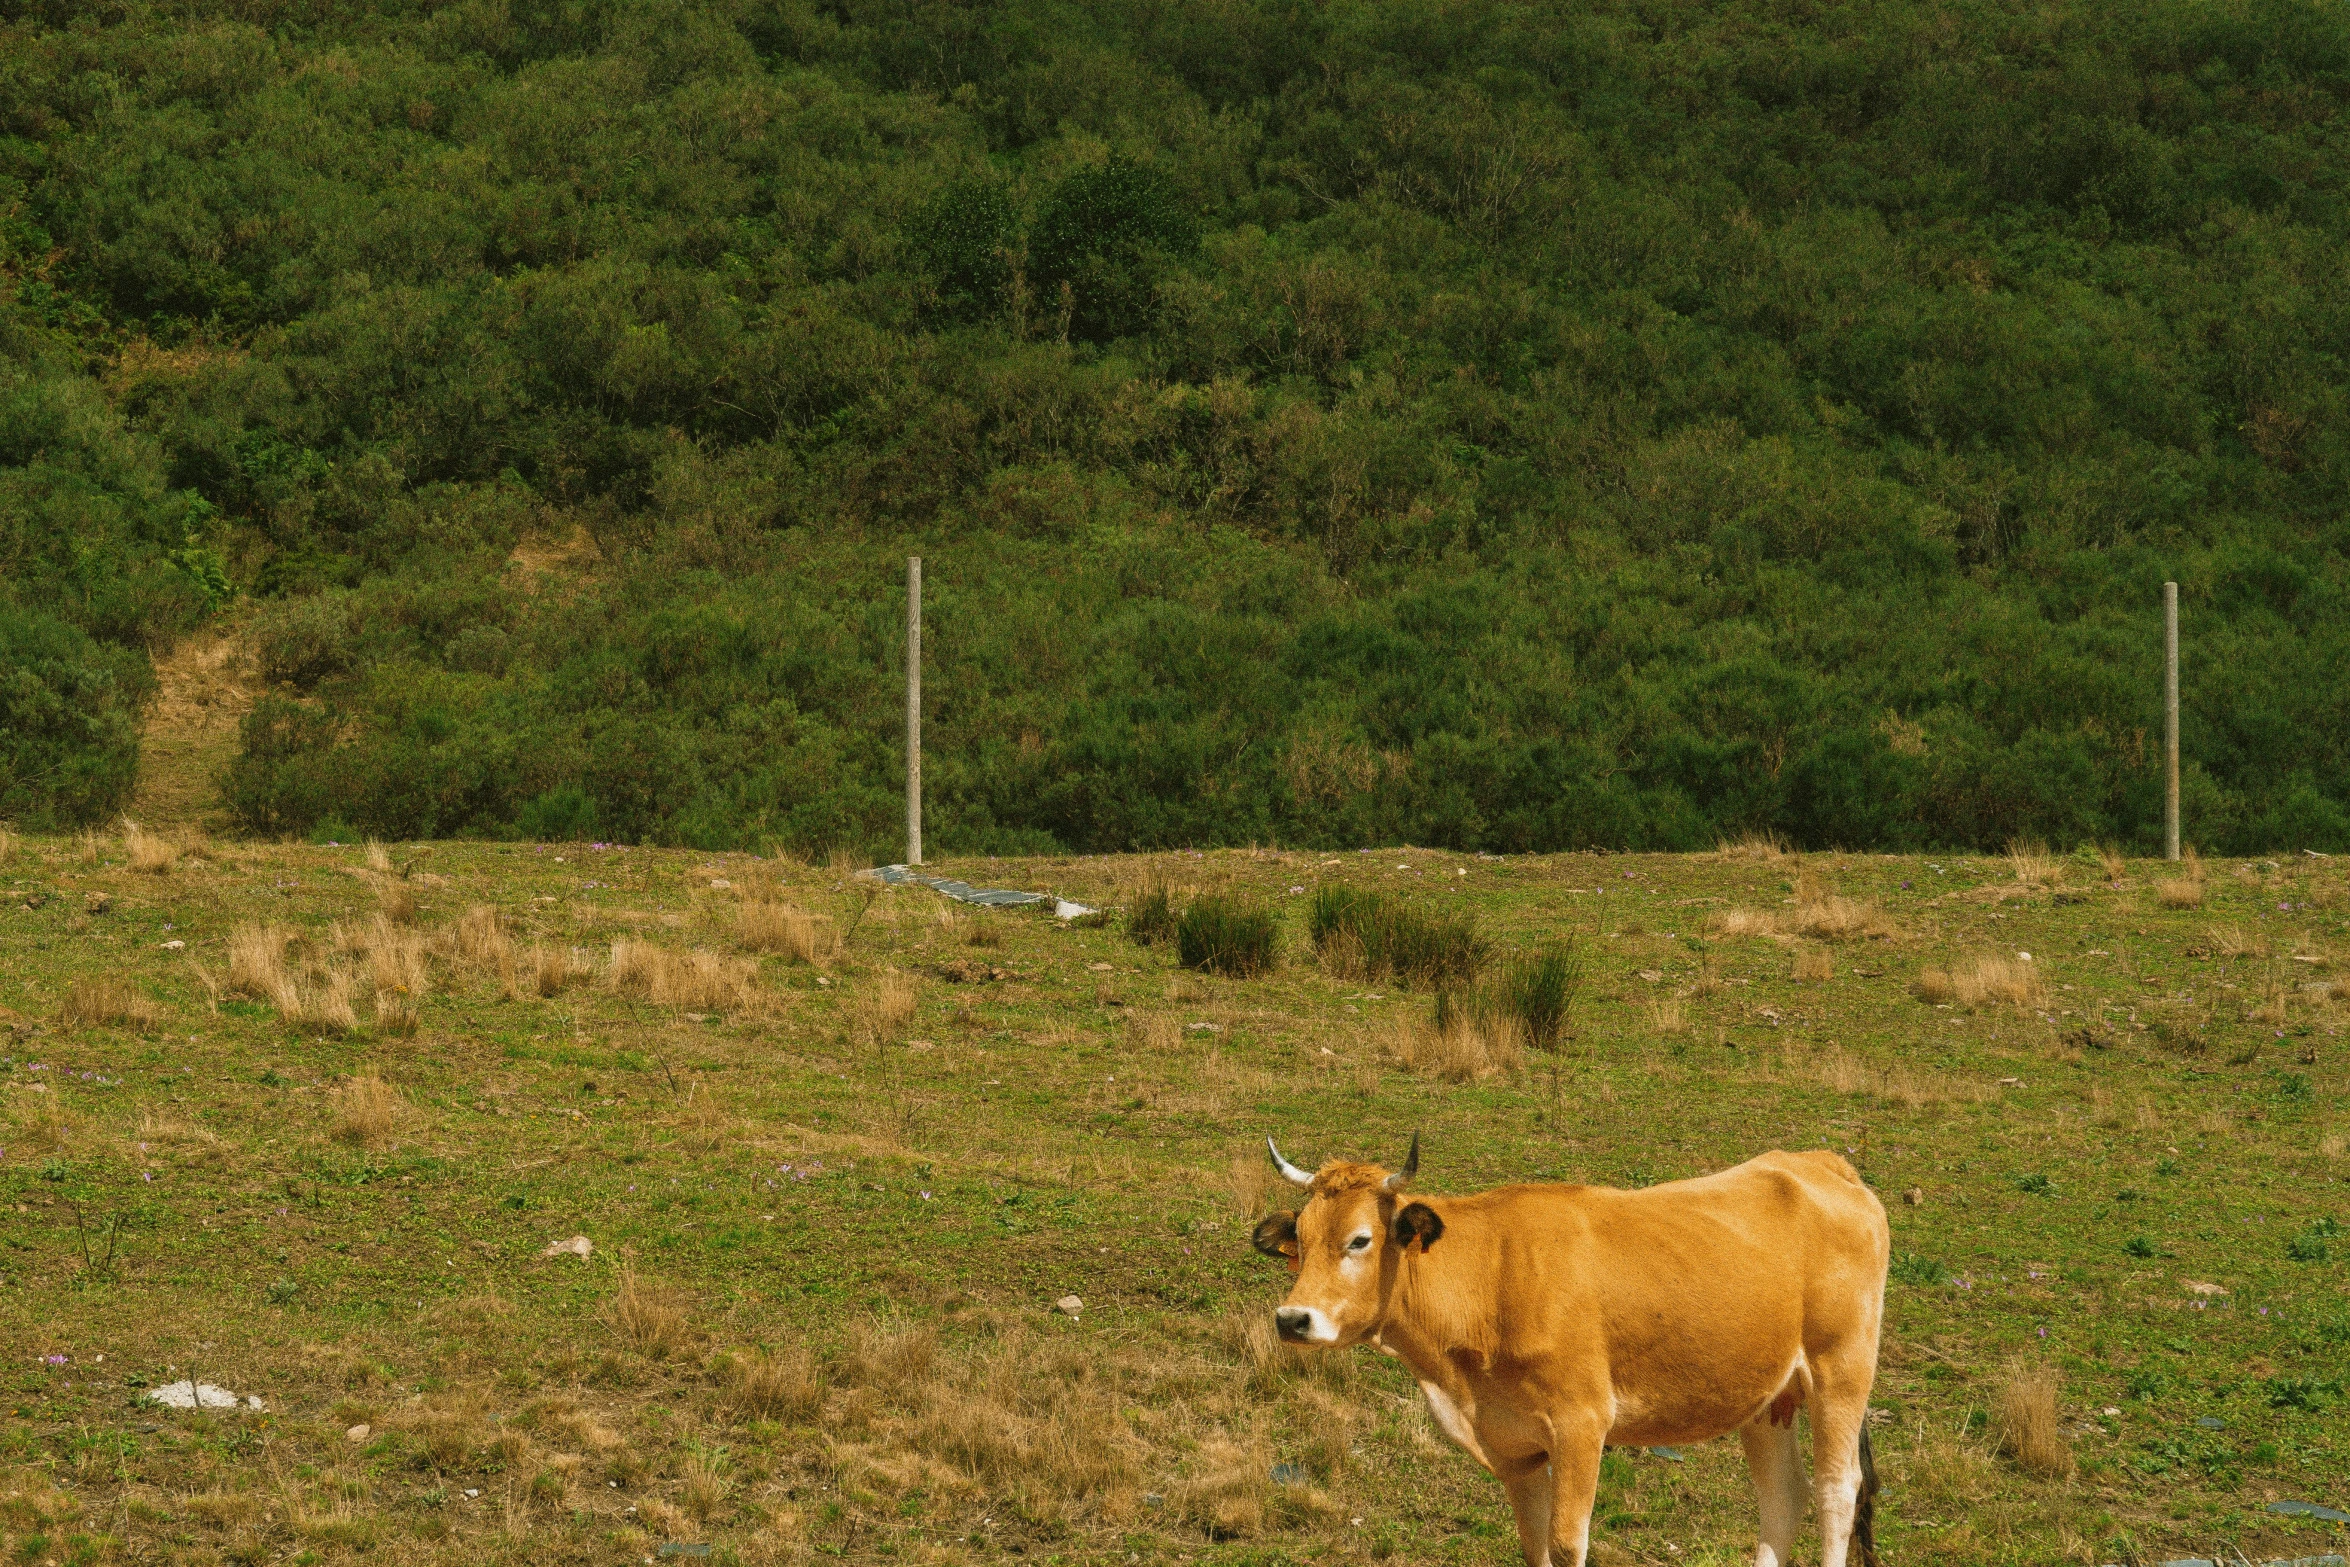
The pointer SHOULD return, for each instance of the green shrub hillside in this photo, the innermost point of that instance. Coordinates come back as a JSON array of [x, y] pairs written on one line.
[[1483, 424]]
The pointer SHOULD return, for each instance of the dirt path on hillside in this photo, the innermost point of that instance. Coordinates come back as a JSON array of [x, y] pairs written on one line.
[[204, 688]]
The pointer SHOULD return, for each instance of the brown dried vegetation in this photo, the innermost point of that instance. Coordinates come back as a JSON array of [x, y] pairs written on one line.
[[2025, 1420]]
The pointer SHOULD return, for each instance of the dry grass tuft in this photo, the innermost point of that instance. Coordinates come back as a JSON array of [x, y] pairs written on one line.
[[482, 938], [257, 963], [379, 858], [2234, 941], [1814, 965], [8, 845], [1767, 847], [396, 902], [89, 845], [698, 981], [2184, 891], [1984, 980], [778, 1386], [1842, 1072], [1250, 1180], [1462, 1048], [895, 1001], [368, 1111], [650, 1319], [2024, 1418], [1831, 918], [764, 925], [1818, 912], [546, 971], [1153, 1031], [150, 853], [2111, 861], [2034, 866], [846, 859], [1667, 1016], [2269, 1009], [107, 1003], [258, 967]]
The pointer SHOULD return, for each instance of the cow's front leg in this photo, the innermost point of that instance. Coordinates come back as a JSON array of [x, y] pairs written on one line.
[[1574, 1487], [1531, 1490]]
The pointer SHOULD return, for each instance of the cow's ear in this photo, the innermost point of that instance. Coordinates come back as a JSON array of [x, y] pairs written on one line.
[[1418, 1222], [1276, 1235]]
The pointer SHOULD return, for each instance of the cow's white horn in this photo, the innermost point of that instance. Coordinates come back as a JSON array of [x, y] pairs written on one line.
[[1411, 1167], [1289, 1172]]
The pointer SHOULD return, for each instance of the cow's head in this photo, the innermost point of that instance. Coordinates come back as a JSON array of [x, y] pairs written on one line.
[[1346, 1246]]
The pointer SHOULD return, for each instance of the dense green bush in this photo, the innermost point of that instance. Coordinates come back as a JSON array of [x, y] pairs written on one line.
[[69, 744], [1470, 424]]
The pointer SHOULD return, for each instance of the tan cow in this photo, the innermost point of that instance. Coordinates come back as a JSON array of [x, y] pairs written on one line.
[[1546, 1323]]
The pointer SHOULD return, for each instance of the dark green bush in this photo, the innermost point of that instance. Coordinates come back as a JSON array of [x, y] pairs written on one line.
[[1107, 234], [963, 239], [1226, 935], [69, 736]]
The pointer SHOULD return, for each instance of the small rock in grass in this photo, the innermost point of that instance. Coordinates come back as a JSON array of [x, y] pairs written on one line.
[[359, 1432], [577, 1246], [1914, 1196], [1068, 1305]]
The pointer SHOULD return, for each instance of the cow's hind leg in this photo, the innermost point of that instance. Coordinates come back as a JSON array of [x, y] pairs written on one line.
[[1777, 1468], [1843, 1472]]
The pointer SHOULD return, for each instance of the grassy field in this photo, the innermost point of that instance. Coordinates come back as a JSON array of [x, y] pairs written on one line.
[[304, 1122]]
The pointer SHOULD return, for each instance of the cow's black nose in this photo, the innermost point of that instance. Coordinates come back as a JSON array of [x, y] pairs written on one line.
[[1293, 1321]]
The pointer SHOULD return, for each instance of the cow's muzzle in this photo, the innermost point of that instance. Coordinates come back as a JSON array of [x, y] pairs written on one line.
[[1295, 1322]]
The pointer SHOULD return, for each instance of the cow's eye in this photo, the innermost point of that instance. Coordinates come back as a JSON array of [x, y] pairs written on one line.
[[1358, 1243]]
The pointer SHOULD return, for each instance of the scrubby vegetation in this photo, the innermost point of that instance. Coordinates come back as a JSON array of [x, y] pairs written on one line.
[[1486, 425]]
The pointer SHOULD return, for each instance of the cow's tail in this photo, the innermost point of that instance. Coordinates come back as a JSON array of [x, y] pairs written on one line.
[[1864, 1507]]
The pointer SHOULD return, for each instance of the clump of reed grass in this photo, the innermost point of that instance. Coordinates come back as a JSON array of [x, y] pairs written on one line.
[[1227, 935], [1365, 935], [1538, 990], [1151, 920]]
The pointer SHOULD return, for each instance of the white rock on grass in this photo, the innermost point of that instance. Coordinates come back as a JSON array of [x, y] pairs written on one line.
[[201, 1395], [577, 1246], [1068, 1305]]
